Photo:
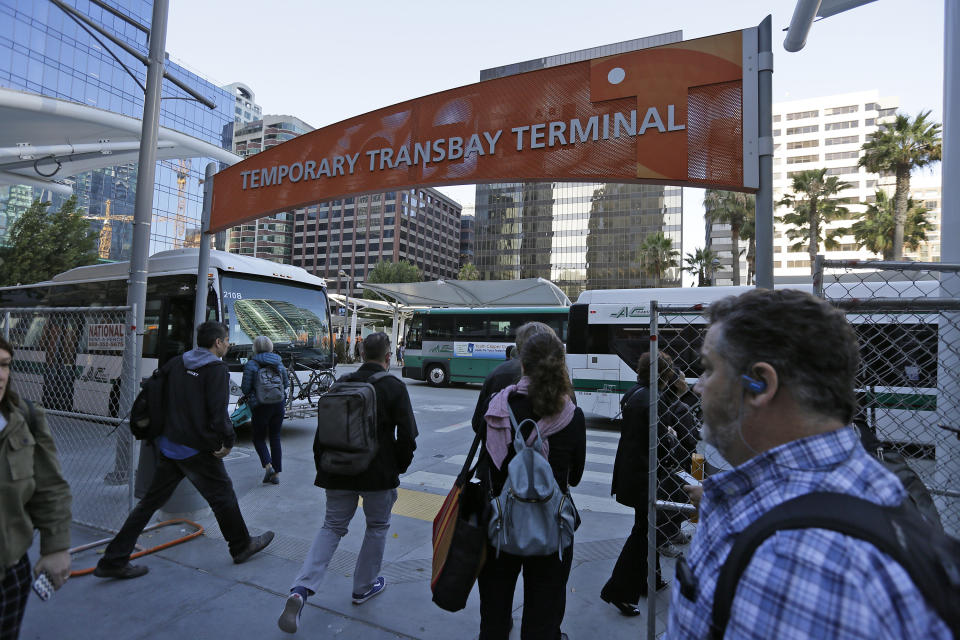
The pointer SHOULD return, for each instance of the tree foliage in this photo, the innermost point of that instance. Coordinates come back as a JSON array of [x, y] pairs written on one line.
[[389, 272], [813, 206], [43, 243], [874, 230], [733, 208], [657, 254], [899, 147], [468, 272], [702, 263]]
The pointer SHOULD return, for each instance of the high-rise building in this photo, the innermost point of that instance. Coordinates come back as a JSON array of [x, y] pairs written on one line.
[[580, 236], [816, 133], [245, 108], [467, 237], [270, 238], [926, 191], [351, 235], [44, 51]]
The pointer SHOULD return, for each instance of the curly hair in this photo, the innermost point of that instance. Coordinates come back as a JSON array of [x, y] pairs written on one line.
[[668, 374], [544, 362], [10, 398]]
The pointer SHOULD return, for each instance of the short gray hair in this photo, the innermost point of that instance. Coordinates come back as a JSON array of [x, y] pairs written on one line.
[[262, 344]]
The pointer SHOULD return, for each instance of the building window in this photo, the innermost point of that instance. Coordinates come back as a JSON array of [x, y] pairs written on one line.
[[836, 111], [842, 140], [887, 112], [813, 128], [871, 106], [837, 171], [799, 115], [803, 144], [802, 159], [846, 124], [842, 155]]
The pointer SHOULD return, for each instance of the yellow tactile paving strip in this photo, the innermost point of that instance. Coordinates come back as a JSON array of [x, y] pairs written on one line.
[[417, 504]]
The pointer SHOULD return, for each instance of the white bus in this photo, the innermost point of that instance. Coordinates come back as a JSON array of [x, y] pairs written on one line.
[[252, 296], [609, 330]]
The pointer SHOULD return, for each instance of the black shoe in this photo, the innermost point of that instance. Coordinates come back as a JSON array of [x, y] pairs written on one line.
[[125, 572], [268, 474], [257, 543], [625, 608]]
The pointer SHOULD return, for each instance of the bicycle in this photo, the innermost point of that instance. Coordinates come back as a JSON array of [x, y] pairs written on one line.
[[317, 382]]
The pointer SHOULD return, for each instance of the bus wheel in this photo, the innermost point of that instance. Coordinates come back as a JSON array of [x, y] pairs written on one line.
[[436, 376]]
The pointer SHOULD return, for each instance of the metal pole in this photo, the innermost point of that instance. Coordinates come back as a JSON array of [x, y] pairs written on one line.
[[764, 211], [203, 261], [652, 475], [6, 326], [143, 208], [128, 391]]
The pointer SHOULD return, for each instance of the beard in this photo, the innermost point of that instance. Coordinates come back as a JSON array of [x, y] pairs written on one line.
[[720, 429]]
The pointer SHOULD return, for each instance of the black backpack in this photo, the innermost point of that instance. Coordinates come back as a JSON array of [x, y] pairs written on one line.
[[346, 438], [147, 415], [929, 556]]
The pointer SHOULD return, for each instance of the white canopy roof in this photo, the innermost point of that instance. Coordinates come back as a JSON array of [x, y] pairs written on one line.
[[43, 140], [530, 292]]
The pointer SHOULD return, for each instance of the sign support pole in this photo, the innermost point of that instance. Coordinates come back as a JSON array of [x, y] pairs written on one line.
[[764, 210], [203, 263]]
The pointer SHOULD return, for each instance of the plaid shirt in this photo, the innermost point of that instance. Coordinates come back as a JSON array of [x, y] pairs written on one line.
[[806, 583]]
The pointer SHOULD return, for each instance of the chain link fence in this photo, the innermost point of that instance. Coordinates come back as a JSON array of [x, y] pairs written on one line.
[[68, 360], [907, 318]]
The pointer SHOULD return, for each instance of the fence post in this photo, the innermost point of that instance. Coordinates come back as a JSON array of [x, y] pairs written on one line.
[[652, 476], [128, 392], [6, 326]]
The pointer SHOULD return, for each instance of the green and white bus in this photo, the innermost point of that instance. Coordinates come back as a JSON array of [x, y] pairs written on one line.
[[465, 344]]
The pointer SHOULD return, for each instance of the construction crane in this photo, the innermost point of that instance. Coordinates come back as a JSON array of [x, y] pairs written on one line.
[[106, 229]]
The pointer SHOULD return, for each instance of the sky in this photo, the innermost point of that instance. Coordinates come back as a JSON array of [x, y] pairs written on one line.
[[324, 61]]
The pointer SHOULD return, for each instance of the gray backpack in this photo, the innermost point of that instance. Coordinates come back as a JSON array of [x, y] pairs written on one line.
[[268, 385], [346, 438], [531, 516]]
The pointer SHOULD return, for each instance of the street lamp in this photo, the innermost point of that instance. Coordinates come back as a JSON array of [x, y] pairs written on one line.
[[353, 316]]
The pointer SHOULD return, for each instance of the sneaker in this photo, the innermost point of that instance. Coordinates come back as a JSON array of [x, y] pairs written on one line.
[[290, 618], [257, 543], [379, 585], [268, 474], [125, 572], [274, 478]]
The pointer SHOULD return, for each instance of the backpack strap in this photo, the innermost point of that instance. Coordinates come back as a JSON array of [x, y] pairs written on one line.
[[379, 375], [900, 532]]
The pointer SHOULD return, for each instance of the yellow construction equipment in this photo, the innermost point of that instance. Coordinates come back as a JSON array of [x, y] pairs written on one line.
[[106, 229]]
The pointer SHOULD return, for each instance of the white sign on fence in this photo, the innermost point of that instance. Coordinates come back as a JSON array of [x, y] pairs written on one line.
[[105, 337]]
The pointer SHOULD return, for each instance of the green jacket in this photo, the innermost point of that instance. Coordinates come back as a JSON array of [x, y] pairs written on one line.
[[33, 493]]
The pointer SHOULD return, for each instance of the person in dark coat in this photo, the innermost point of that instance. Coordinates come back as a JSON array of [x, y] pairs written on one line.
[[267, 418], [677, 439], [377, 485], [543, 393], [197, 436]]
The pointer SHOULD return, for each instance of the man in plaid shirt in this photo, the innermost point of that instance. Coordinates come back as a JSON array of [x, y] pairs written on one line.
[[778, 393]]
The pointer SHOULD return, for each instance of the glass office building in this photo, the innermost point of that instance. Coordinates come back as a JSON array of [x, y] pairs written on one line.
[[44, 51], [580, 236]]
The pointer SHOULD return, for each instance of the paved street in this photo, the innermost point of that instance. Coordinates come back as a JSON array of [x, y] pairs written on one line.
[[194, 591]]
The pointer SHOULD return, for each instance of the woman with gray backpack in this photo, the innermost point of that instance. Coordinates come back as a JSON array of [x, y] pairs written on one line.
[[550, 426], [264, 389]]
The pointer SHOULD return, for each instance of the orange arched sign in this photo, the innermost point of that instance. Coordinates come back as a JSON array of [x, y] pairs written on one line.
[[670, 114]]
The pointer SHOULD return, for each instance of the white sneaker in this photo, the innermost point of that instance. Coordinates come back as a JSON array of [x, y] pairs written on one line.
[[290, 618]]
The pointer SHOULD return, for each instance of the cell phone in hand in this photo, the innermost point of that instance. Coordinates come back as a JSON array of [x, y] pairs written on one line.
[[43, 587], [687, 478]]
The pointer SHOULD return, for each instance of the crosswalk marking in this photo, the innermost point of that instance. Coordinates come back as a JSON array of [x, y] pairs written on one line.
[[454, 427], [602, 445], [596, 457], [596, 433]]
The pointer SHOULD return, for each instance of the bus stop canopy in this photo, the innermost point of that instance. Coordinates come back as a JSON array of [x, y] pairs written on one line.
[[529, 292]]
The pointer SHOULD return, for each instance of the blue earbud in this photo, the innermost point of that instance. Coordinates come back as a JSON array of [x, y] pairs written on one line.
[[752, 384]]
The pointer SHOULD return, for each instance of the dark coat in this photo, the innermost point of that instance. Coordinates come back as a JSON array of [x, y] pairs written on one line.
[[568, 449], [396, 436], [504, 375], [197, 405], [630, 471]]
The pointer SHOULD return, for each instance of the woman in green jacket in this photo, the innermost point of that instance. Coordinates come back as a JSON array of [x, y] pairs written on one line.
[[33, 495]]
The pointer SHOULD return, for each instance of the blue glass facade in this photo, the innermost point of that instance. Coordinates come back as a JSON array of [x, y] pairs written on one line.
[[44, 51]]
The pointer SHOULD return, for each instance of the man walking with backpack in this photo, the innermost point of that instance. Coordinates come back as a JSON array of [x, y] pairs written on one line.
[[370, 469], [197, 435], [777, 395]]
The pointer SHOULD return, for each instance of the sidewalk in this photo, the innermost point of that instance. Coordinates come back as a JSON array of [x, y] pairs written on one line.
[[194, 590]]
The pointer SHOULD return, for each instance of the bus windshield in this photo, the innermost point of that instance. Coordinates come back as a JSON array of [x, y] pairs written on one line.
[[294, 316]]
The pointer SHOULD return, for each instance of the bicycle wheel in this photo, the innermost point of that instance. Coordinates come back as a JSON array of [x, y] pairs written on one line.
[[325, 380]]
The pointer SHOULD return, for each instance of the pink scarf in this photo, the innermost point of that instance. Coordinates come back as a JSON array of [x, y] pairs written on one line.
[[498, 422]]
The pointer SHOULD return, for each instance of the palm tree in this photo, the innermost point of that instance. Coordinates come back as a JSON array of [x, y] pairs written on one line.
[[733, 208], [874, 231], [813, 206], [657, 255], [702, 263], [468, 271], [900, 147], [749, 233]]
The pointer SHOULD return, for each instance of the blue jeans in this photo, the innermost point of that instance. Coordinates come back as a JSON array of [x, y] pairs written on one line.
[[267, 420], [341, 505]]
